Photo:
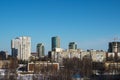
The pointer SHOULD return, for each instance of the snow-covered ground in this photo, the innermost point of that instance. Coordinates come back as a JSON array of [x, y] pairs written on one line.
[[29, 76]]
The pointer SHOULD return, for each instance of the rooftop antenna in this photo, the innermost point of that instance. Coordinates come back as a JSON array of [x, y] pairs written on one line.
[[115, 39]]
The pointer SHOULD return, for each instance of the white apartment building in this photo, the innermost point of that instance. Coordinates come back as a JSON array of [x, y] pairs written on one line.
[[21, 47], [96, 55]]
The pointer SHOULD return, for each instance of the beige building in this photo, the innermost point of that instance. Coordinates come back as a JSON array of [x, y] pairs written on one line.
[[32, 67], [4, 64], [113, 66]]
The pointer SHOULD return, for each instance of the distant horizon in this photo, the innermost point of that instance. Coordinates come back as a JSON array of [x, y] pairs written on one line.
[[89, 23]]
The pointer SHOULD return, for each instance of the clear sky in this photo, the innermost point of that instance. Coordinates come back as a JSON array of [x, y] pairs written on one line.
[[90, 23]]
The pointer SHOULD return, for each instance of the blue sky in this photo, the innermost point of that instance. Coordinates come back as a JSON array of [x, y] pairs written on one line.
[[90, 23]]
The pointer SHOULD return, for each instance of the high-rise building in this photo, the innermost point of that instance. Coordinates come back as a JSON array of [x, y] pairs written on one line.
[[21, 47], [114, 47], [40, 50], [55, 42], [72, 45]]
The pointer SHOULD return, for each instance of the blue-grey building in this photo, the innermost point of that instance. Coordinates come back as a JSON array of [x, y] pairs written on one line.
[[40, 50], [55, 42], [72, 45]]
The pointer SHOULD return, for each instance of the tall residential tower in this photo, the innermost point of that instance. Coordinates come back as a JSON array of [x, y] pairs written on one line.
[[21, 47]]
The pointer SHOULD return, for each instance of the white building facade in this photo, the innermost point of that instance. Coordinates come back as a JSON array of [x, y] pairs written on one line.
[[96, 55], [21, 47]]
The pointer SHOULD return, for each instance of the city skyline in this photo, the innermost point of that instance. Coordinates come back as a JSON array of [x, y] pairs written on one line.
[[90, 23]]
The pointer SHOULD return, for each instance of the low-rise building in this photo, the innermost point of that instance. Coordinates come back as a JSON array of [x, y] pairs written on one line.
[[113, 56], [4, 64], [112, 68], [33, 66]]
